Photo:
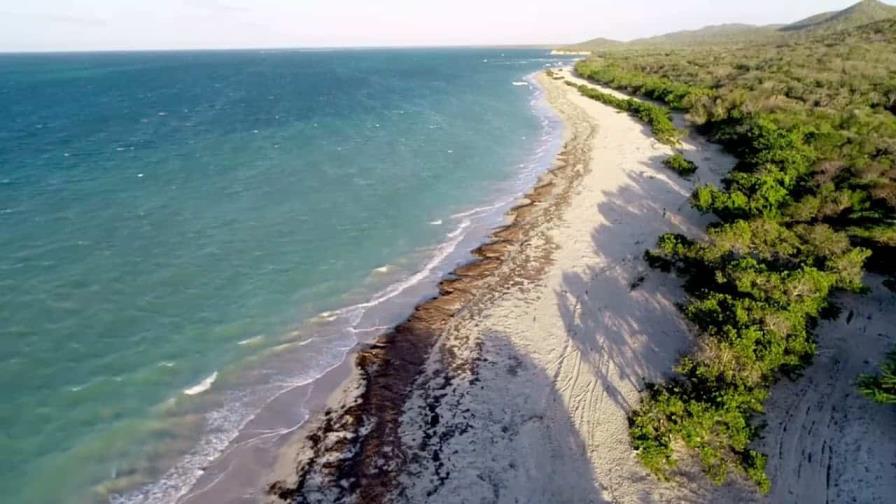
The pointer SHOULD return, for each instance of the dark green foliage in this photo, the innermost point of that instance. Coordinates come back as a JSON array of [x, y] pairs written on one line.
[[812, 198], [680, 165], [756, 288], [882, 386], [655, 116], [675, 94]]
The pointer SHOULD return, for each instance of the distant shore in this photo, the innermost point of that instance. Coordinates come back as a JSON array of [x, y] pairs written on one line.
[[566, 52]]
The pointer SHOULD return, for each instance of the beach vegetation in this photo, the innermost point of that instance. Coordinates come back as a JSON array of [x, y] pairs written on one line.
[[680, 165], [881, 387], [810, 205], [553, 75], [657, 117]]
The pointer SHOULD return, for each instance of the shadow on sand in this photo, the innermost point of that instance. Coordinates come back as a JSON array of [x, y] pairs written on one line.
[[619, 311], [623, 317], [496, 432]]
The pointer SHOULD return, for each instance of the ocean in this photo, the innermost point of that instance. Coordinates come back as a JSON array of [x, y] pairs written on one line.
[[186, 235]]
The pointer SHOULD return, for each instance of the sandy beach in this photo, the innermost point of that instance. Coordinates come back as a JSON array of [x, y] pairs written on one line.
[[515, 384]]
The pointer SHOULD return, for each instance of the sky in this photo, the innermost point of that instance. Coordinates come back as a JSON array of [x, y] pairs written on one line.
[[78, 25]]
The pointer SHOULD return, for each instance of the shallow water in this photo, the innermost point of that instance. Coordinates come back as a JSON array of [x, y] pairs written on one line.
[[186, 235]]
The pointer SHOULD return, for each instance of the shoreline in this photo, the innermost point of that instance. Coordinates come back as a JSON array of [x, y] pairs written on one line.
[[384, 370], [227, 477], [385, 439]]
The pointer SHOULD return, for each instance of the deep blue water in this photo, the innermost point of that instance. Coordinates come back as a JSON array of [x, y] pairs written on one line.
[[170, 223]]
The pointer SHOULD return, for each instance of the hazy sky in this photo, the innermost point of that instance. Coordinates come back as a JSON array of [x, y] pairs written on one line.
[[175, 24]]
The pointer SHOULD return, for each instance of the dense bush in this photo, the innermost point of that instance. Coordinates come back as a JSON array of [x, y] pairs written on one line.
[[813, 196], [677, 95], [680, 165], [657, 117], [756, 288]]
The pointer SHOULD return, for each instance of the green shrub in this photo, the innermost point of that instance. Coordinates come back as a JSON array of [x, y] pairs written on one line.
[[680, 165], [881, 387], [756, 288], [657, 117]]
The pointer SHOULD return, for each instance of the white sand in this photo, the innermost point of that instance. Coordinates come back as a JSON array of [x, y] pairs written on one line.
[[827, 443]]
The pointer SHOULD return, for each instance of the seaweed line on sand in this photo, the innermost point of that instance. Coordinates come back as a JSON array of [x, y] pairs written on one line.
[[353, 451]]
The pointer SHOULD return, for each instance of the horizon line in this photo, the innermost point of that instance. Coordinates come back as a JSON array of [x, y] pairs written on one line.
[[283, 48]]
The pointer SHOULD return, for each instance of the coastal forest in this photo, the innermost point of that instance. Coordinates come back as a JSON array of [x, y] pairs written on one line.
[[809, 110]]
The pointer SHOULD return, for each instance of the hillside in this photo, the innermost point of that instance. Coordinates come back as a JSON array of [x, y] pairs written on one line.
[[726, 33], [598, 44], [865, 12], [716, 34]]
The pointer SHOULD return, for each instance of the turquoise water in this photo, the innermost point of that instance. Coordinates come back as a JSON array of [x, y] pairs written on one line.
[[173, 223]]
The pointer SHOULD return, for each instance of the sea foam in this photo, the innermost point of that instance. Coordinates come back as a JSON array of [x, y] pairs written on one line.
[[202, 386]]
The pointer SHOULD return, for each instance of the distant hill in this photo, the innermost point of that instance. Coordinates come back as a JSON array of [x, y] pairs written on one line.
[[717, 34], [710, 34], [597, 44], [862, 13]]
